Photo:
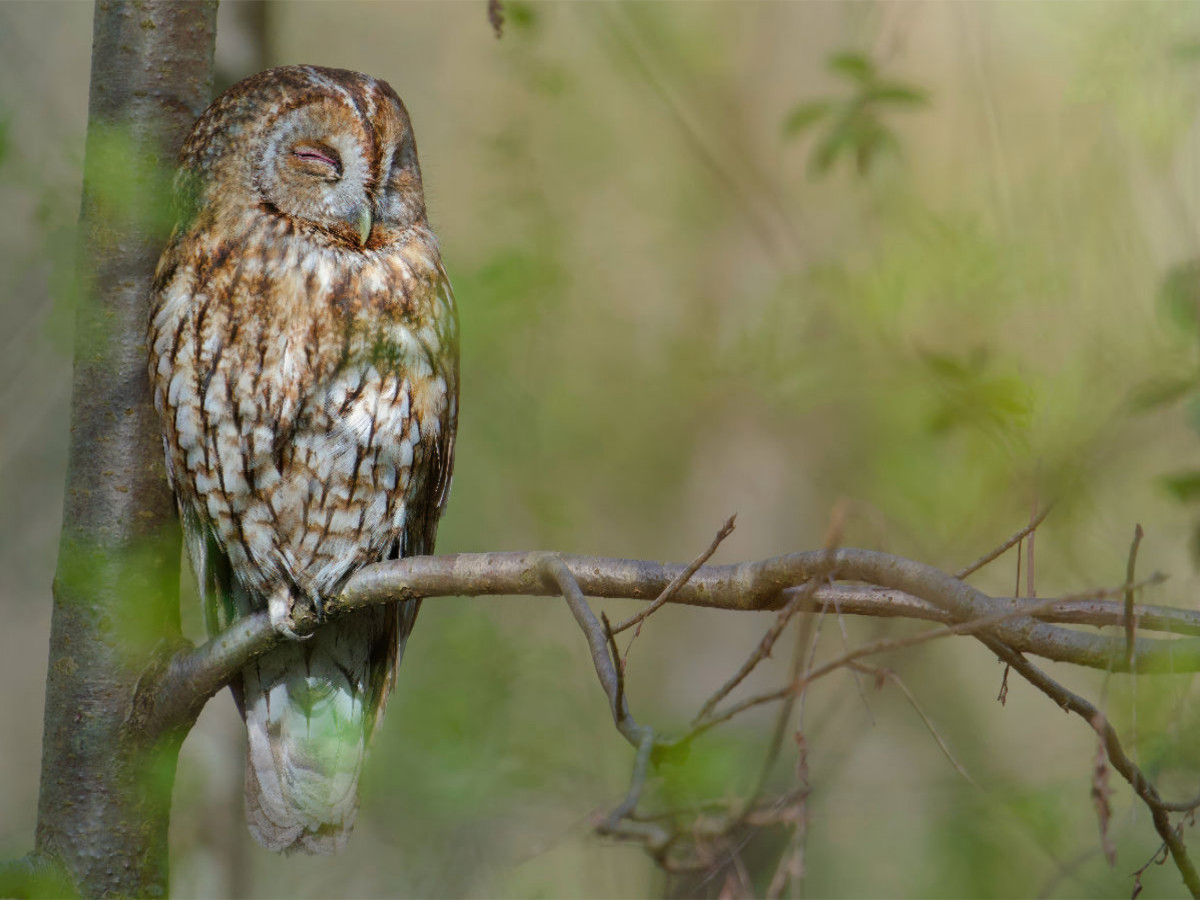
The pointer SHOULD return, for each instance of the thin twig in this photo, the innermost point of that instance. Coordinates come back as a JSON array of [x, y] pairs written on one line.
[[618, 663], [999, 551], [609, 670], [791, 864], [1017, 589], [1116, 755], [799, 659], [974, 627], [1063, 870], [679, 581], [1130, 619], [803, 652], [495, 13], [891, 675], [1101, 791], [598, 644], [1161, 855], [1182, 805], [760, 652], [637, 783], [1030, 582], [862, 694]]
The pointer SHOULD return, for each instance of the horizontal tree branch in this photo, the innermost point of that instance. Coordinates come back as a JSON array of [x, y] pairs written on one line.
[[894, 587]]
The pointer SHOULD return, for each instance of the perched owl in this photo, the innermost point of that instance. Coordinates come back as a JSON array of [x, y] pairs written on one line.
[[304, 362]]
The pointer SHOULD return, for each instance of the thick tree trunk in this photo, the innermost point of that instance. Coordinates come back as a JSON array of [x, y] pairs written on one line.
[[105, 794]]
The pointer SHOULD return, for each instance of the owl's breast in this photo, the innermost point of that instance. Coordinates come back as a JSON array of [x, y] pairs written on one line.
[[304, 394]]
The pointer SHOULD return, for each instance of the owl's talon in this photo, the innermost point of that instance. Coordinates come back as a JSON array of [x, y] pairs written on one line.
[[279, 608]]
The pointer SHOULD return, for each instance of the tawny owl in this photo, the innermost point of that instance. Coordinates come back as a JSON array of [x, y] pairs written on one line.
[[304, 362]]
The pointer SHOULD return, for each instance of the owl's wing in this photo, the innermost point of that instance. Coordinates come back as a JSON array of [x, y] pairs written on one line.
[[222, 596], [441, 453], [429, 500]]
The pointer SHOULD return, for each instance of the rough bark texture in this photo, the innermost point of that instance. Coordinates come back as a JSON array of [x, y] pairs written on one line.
[[105, 794]]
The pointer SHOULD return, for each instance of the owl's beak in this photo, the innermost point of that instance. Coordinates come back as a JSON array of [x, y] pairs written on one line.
[[362, 224]]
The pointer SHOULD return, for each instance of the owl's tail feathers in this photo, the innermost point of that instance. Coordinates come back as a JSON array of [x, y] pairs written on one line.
[[309, 710]]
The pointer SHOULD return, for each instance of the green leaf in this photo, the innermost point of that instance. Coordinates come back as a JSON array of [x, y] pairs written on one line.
[[897, 94], [843, 137], [1179, 297], [951, 367], [1160, 392], [1191, 413], [1186, 51], [4, 145], [521, 16], [1183, 486], [855, 66], [876, 143], [971, 393], [129, 182], [825, 154], [804, 116]]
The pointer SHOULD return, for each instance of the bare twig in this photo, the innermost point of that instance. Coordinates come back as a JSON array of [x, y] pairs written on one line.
[[676, 583], [804, 652], [881, 646], [609, 670], [1182, 805], [1017, 589], [598, 643], [765, 645], [1100, 794], [618, 663], [1161, 855], [1130, 620], [495, 14], [760, 652], [1064, 870], [1000, 551], [637, 783], [882, 674], [800, 660], [791, 864], [1116, 755], [1030, 580]]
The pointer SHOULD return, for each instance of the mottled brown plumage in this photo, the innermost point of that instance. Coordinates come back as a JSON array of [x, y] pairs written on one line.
[[304, 361]]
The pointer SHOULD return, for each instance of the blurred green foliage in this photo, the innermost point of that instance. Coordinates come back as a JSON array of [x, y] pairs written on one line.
[[129, 181], [855, 125]]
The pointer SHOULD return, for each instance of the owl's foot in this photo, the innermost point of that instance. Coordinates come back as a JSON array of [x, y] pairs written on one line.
[[279, 608]]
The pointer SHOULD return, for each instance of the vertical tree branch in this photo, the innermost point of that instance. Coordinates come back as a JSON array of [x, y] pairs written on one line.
[[105, 794]]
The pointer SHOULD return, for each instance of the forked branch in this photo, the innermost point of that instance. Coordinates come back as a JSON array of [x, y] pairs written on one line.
[[883, 585], [895, 587], [794, 583]]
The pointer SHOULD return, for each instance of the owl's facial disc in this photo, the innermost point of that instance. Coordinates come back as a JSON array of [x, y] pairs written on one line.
[[317, 170]]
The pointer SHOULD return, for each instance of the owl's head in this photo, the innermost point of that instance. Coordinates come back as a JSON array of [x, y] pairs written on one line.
[[330, 150]]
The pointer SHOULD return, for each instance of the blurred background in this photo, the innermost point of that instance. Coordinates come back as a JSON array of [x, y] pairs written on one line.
[[933, 260]]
